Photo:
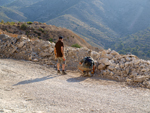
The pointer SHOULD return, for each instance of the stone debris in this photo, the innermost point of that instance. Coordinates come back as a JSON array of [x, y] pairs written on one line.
[[109, 63]]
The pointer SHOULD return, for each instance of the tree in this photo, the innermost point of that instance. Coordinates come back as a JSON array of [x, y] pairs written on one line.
[[2, 21], [23, 26]]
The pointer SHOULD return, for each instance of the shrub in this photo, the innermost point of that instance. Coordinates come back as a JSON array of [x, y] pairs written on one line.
[[39, 34], [2, 21], [23, 26], [51, 40], [76, 45], [11, 23], [41, 29], [29, 23]]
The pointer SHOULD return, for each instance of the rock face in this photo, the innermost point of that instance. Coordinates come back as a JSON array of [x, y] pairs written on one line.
[[109, 63]]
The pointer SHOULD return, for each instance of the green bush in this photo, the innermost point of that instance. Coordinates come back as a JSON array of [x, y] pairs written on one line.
[[76, 45], [41, 29], [29, 23], [24, 26], [11, 23], [51, 40]]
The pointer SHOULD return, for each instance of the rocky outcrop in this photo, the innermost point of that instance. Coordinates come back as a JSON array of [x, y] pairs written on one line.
[[127, 68], [109, 63]]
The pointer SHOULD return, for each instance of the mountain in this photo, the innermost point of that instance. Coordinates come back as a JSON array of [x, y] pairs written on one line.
[[5, 2], [8, 14], [16, 4], [99, 22]]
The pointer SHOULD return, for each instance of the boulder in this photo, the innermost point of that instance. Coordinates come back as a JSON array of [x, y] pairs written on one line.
[[133, 75], [111, 68], [109, 56], [35, 60], [148, 84], [111, 73], [21, 44], [101, 66], [141, 78], [105, 61], [108, 51], [103, 54], [13, 50], [95, 55], [42, 54], [129, 80], [114, 53]]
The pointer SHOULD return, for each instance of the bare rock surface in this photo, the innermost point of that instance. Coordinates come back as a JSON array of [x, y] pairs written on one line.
[[27, 87]]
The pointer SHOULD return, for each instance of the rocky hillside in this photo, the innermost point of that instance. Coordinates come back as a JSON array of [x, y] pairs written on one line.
[[109, 63], [45, 32], [102, 22]]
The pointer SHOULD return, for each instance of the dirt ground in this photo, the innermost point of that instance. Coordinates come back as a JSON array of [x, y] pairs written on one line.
[[27, 87]]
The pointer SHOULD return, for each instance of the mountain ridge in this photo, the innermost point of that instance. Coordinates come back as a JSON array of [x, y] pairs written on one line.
[[99, 22]]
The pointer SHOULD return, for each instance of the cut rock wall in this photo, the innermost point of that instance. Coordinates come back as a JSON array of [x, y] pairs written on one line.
[[109, 63]]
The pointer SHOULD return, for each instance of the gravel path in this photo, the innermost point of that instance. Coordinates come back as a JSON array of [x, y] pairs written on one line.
[[26, 87]]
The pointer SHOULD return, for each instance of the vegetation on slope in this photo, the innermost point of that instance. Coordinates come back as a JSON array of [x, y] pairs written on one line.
[[137, 44]]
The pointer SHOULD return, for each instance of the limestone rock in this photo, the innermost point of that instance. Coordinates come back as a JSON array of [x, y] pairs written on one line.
[[103, 54], [42, 54], [111, 73], [105, 61], [129, 80], [141, 78], [21, 44], [114, 53], [111, 68], [14, 49], [94, 55], [101, 66], [35, 60]]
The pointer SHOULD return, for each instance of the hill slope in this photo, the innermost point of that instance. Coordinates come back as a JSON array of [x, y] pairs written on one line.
[[8, 14], [5, 2], [100, 22], [138, 44], [50, 33]]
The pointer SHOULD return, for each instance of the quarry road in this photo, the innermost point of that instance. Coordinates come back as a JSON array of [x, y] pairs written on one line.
[[27, 87]]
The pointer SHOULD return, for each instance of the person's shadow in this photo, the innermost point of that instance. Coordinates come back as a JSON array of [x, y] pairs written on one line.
[[35, 80], [77, 79]]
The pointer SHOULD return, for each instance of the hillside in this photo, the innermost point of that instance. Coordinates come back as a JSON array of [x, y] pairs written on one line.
[[46, 32], [5, 2], [100, 22], [8, 14], [16, 4], [72, 15], [138, 44]]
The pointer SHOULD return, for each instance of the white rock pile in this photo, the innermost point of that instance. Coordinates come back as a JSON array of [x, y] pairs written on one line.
[[109, 63], [127, 68]]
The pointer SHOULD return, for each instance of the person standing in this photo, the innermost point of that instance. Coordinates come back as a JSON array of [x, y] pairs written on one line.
[[59, 54]]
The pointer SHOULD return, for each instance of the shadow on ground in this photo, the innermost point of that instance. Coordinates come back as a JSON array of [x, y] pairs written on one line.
[[35, 80], [77, 79]]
